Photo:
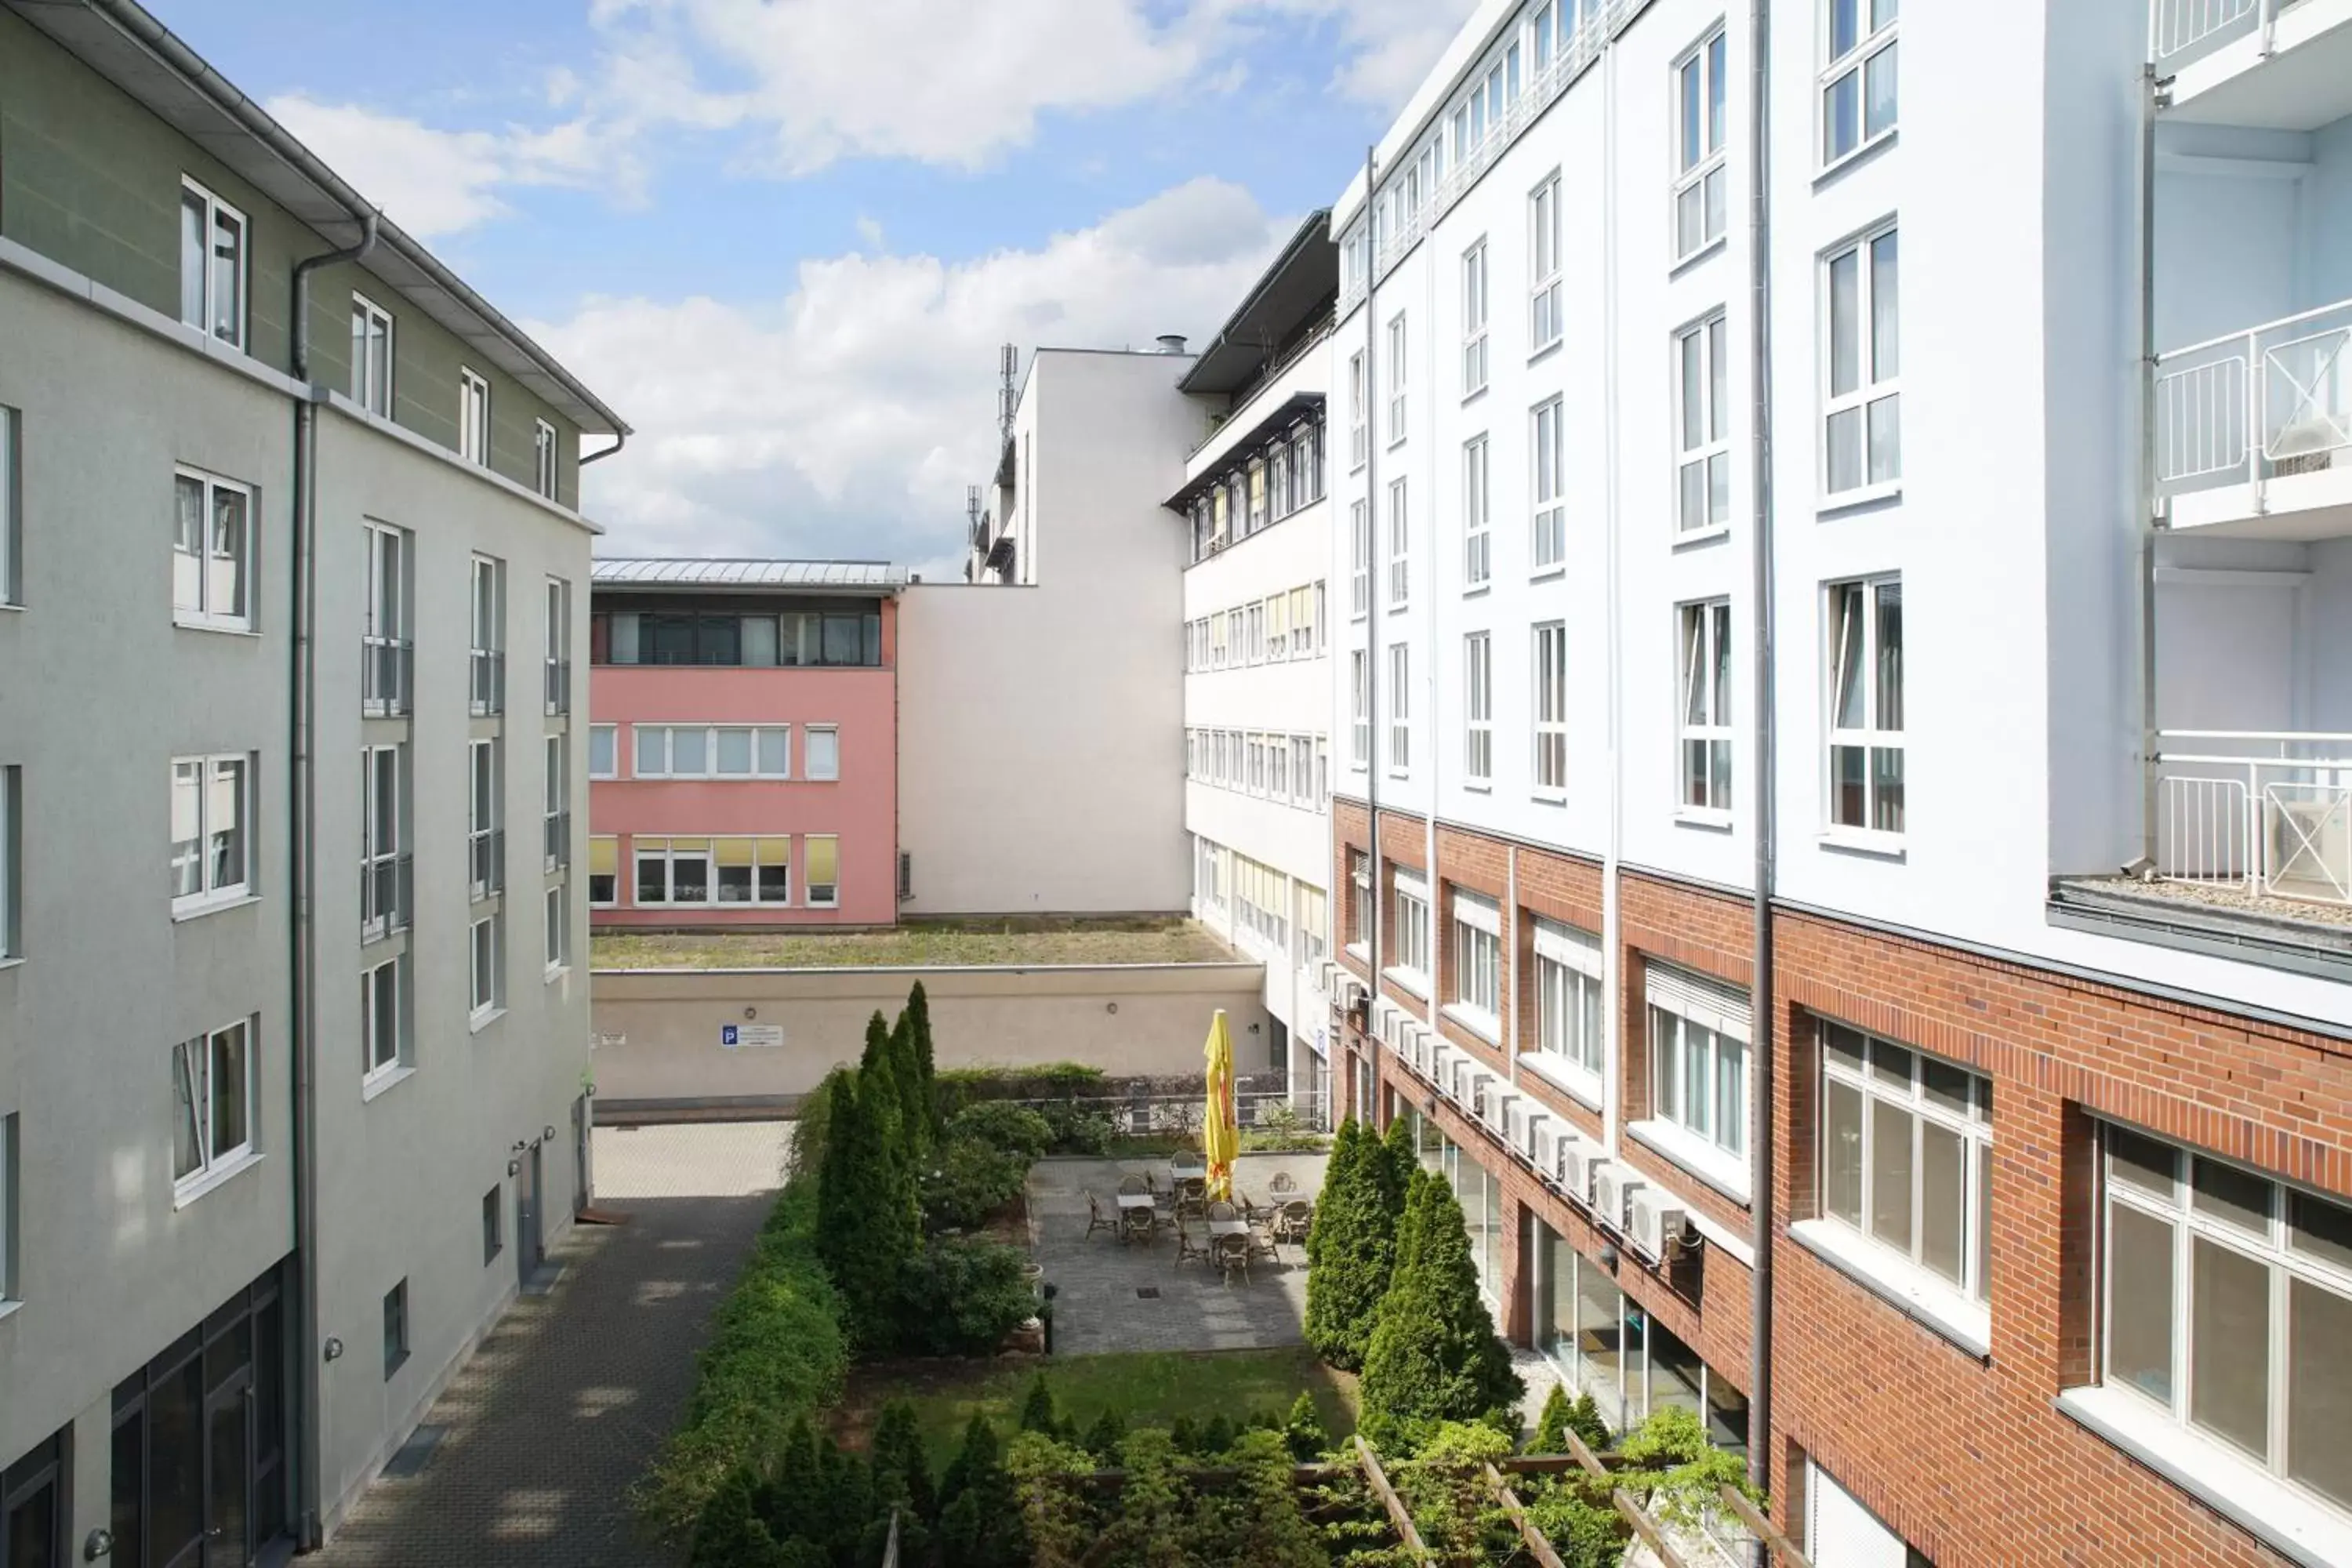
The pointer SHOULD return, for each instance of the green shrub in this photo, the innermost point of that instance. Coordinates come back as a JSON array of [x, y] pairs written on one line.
[[1562, 1416], [970, 1183], [1575, 1514], [1685, 1472], [902, 1480], [1303, 1431], [1445, 1486], [952, 1089], [961, 1296], [731, 1533], [1076, 1128], [1003, 1125], [1060, 1524], [1104, 1438], [1433, 1355], [980, 1523]]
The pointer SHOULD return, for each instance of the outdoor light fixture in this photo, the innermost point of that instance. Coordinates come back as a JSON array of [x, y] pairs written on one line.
[[333, 1348], [548, 1132], [100, 1543], [514, 1167], [1609, 1256], [519, 1145], [1110, 1007], [750, 1013]]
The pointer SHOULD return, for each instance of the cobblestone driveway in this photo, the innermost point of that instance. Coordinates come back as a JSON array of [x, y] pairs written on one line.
[[558, 1412]]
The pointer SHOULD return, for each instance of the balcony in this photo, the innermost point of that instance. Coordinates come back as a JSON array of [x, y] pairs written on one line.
[[486, 852], [2253, 430], [2285, 64], [557, 833], [558, 685], [387, 896], [387, 671], [486, 688]]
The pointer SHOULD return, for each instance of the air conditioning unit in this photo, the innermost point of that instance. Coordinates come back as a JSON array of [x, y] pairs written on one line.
[[1481, 1093], [1543, 1145], [1534, 1123], [1614, 1189], [1442, 1058], [1578, 1162], [1515, 1126], [1501, 1105], [1658, 1222], [1420, 1043]]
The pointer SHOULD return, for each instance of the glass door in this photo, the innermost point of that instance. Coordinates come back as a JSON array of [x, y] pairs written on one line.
[[228, 1473]]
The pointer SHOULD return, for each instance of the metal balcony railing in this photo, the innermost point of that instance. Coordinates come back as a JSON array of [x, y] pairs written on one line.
[[487, 861], [387, 667], [2265, 813], [487, 685], [2178, 27], [387, 895], [2271, 401], [556, 832], [558, 687]]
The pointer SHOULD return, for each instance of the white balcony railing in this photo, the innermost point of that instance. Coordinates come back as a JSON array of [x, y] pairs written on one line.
[[2257, 405], [2267, 813], [2180, 28]]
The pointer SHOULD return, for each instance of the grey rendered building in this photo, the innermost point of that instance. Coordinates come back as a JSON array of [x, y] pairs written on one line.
[[294, 1036]]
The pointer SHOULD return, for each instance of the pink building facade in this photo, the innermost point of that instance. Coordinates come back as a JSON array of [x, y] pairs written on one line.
[[744, 744]]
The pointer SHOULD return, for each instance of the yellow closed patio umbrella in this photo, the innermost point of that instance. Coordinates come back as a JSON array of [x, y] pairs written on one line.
[[1221, 1137]]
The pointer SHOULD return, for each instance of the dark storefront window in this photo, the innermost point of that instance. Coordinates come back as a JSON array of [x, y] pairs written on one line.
[[33, 1509]]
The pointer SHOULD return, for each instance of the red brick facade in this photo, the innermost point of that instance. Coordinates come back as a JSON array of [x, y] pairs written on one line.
[[1967, 1457]]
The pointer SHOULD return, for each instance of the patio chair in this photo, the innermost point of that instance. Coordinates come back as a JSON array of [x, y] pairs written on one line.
[[1283, 1184], [1096, 1219], [1232, 1252], [1136, 1225], [1186, 1246], [1191, 1195], [1221, 1209], [1130, 1186], [1294, 1219]]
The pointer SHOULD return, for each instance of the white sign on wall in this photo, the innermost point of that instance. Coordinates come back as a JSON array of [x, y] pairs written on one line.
[[751, 1036]]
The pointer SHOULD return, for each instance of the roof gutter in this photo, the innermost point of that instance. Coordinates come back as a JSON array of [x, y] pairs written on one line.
[[255, 122], [620, 440]]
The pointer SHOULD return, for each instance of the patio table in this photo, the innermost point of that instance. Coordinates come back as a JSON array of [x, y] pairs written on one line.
[[1229, 1228], [1135, 1200]]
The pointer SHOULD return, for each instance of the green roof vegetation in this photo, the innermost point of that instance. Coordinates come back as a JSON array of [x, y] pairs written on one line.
[[927, 944]]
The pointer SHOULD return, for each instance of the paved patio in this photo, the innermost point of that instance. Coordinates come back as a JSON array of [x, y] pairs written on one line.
[[1097, 1306], [559, 1409]]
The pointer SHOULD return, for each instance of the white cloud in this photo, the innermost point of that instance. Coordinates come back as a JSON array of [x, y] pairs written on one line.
[[846, 417]]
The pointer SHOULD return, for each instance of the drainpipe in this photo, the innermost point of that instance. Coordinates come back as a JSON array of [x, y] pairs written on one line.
[[2150, 740], [302, 861], [1371, 610], [620, 440], [1613, 949], [1763, 1009]]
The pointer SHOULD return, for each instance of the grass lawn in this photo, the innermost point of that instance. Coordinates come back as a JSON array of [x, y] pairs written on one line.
[[919, 945], [1151, 1388]]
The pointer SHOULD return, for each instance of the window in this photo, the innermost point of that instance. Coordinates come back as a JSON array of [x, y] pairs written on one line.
[[604, 752], [1568, 998], [1399, 546], [1547, 545], [1706, 713], [1906, 1151], [2229, 1306], [1702, 412], [1477, 556], [395, 1329], [1357, 447], [823, 874], [1858, 82], [1698, 1076], [1701, 181], [386, 659], [555, 808], [212, 819], [712, 752], [11, 1288], [1302, 771], [1866, 705], [1396, 378], [485, 844], [1478, 961], [11, 591], [486, 679], [1360, 580], [212, 265], [383, 1015], [212, 553], [1474, 320], [473, 418], [493, 1225], [542, 461], [215, 1098], [384, 837], [370, 356], [1400, 707], [603, 873], [557, 683], [1360, 709], [1862, 405], [1302, 623], [1545, 324], [487, 953], [558, 926], [1552, 707], [822, 744], [673, 871], [1412, 954], [1308, 921], [12, 839], [1478, 708], [1360, 876]]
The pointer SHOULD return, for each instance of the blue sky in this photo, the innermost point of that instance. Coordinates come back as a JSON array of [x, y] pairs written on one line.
[[783, 236]]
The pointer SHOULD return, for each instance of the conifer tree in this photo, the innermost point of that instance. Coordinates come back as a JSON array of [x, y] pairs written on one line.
[[1303, 1431], [731, 1533], [1351, 1245], [1104, 1438], [902, 1480], [979, 1509], [869, 1219], [1433, 1355], [1037, 1409], [919, 1028]]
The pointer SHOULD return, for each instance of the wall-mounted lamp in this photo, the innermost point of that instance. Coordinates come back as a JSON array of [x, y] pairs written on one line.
[[514, 1167], [333, 1348], [750, 1013], [99, 1543], [547, 1133], [1609, 1256], [1110, 1007]]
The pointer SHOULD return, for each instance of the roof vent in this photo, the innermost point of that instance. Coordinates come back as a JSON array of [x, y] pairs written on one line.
[[1171, 342]]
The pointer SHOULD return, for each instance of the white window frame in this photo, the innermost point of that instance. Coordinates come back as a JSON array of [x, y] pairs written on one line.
[[709, 771], [1703, 712], [1359, 433], [1360, 578], [213, 887], [1477, 999], [1477, 513], [543, 448], [556, 649], [555, 800], [1875, 1082], [1411, 965], [12, 502], [1360, 709], [594, 901], [1877, 740], [1571, 1022], [205, 301], [1302, 772], [831, 900], [12, 1286], [1702, 373], [1400, 709], [1699, 210], [1475, 290], [1688, 1052], [205, 557], [1400, 340], [12, 839], [611, 735], [1477, 709], [1359, 908], [473, 416], [810, 771], [1399, 544], [384, 836], [1873, 395], [1548, 688], [484, 813], [1545, 325], [385, 641], [1548, 533], [371, 356], [557, 916], [1859, 64], [197, 1106], [384, 1050], [665, 850], [487, 636], [485, 968]]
